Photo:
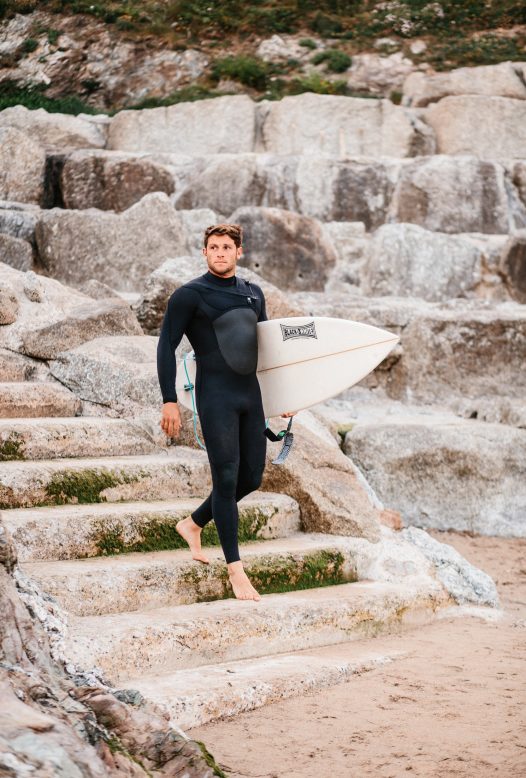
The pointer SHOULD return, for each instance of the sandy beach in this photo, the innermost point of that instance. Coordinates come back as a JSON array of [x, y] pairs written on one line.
[[454, 704]]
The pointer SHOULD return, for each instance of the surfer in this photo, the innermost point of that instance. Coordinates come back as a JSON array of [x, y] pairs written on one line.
[[219, 313]]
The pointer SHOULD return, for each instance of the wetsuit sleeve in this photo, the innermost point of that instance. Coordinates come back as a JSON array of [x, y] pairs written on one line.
[[263, 314], [179, 311]]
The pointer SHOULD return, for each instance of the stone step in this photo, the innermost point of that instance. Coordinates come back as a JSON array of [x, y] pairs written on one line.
[[140, 581], [178, 472], [78, 436], [76, 531], [196, 697], [132, 644], [29, 399]]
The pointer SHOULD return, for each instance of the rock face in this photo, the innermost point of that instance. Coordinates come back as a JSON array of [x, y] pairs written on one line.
[[457, 124], [175, 272], [289, 250], [57, 130], [110, 181], [18, 220], [50, 318], [342, 127], [219, 125], [22, 165], [462, 475], [503, 80], [513, 265], [407, 261], [117, 249], [95, 60], [432, 192]]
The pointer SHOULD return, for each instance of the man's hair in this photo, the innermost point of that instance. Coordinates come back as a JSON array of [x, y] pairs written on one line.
[[234, 231]]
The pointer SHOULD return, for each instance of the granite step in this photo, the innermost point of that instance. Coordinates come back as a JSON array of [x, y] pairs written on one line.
[[78, 436], [178, 472], [195, 697], [142, 581], [30, 399], [61, 532], [162, 640]]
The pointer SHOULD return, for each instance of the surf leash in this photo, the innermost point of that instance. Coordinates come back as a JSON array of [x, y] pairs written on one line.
[[286, 436], [189, 387]]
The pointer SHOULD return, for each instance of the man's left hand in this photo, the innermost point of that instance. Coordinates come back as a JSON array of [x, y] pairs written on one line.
[[290, 413]]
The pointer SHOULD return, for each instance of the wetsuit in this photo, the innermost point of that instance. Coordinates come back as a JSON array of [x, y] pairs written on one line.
[[219, 317]]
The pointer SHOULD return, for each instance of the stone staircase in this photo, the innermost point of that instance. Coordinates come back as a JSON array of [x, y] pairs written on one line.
[[92, 503]]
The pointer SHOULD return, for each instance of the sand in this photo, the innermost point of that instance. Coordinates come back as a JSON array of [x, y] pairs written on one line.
[[454, 705]]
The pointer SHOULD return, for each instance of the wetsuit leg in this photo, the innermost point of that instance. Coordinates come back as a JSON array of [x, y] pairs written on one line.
[[237, 442], [221, 435]]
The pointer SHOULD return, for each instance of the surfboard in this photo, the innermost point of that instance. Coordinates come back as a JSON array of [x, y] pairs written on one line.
[[304, 360]]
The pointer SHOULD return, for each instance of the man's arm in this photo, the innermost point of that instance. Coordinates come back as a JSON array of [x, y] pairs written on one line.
[[179, 311], [263, 314]]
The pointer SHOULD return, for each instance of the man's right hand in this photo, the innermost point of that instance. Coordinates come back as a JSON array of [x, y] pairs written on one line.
[[171, 420]]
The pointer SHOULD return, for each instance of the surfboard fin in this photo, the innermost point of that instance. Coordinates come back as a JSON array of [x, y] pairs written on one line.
[[288, 438]]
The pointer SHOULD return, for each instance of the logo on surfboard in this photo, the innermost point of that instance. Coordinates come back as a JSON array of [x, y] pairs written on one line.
[[299, 331]]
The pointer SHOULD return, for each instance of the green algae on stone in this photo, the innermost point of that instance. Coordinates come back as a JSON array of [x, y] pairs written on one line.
[[209, 759], [83, 486], [271, 575], [12, 448], [158, 533]]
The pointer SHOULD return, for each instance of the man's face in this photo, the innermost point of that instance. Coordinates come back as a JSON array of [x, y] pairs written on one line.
[[221, 255]]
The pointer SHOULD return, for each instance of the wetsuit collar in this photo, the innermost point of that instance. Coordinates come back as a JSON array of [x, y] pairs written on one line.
[[231, 281]]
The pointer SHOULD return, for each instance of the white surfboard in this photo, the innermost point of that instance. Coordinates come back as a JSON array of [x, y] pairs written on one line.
[[303, 360]]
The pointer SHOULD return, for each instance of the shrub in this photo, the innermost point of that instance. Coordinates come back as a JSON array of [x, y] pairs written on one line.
[[11, 94], [308, 43], [29, 45], [337, 61], [250, 71]]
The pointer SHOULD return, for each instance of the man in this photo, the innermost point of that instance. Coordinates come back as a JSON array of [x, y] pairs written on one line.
[[219, 313]]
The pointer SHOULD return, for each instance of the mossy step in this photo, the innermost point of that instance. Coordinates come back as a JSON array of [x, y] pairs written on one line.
[[76, 531], [128, 645], [179, 472], [150, 580], [29, 399], [195, 697], [78, 436]]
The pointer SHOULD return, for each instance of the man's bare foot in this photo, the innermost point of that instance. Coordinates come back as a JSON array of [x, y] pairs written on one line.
[[241, 585], [191, 532]]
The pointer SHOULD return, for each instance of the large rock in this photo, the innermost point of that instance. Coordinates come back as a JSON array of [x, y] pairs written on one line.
[[462, 475], [117, 249], [465, 582], [345, 190], [284, 47], [215, 125], [19, 220], [9, 304], [57, 130], [173, 273], [407, 261], [109, 180], [343, 126], [290, 251], [379, 75], [324, 188], [488, 127], [112, 371], [518, 174], [432, 192], [22, 166], [351, 243], [503, 80], [16, 252], [513, 265], [51, 317]]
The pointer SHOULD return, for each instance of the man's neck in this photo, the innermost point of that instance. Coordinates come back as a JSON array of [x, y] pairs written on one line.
[[220, 280]]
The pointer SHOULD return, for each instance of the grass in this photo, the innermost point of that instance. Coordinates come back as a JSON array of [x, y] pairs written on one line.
[[336, 61]]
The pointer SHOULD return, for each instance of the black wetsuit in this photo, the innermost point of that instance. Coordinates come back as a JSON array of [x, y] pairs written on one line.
[[219, 317]]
